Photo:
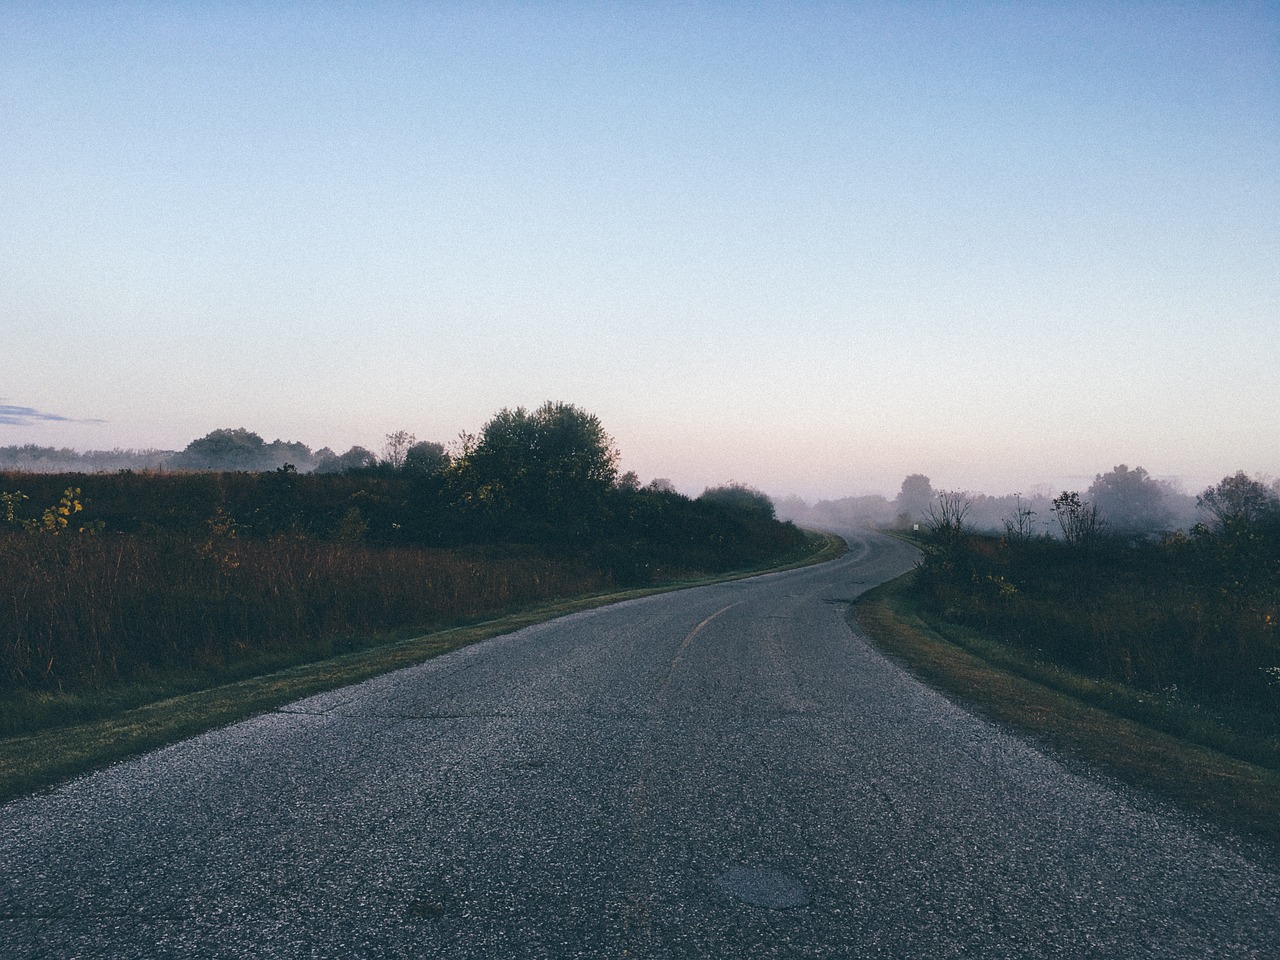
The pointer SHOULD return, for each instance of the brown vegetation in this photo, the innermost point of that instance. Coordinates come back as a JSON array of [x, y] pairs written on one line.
[[1191, 619], [88, 610]]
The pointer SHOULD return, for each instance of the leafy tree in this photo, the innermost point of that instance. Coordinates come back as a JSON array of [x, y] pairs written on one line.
[[554, 466], [227, 449], [426, 457], [1238, 501], [742, 498], [1130, 501]]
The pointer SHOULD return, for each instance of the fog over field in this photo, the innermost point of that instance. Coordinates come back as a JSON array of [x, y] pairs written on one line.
[[815, 248]]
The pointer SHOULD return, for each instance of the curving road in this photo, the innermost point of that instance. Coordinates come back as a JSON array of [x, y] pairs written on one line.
[[721, 772]]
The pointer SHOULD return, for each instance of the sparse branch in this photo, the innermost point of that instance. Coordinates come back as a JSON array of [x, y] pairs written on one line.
[[945, 518], [1021, 526], [1081, 525], [396, 447]]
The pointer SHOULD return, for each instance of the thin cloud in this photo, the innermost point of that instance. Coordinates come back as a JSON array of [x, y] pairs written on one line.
[[13, 416]]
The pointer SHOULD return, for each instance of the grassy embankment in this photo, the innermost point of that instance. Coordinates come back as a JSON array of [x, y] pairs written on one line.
[[171, 637], [1212, 750]]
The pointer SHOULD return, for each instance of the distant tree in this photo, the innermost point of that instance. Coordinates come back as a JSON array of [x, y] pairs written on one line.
[[1238, 501], [866, 511], [791, 508], [629, 482], [227, 449], [281, 452], [426, 457], [357, 458], [396, 448], [31, 458], [1131, 502], [740, 497], [915, 497], [1080, 521]]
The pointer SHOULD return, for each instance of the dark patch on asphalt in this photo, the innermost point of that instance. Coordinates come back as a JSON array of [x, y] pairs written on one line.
[[434, 899], [762, 887], [428, 908]]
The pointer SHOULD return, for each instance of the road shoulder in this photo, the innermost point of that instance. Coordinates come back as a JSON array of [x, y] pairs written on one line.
[[1228, 793]]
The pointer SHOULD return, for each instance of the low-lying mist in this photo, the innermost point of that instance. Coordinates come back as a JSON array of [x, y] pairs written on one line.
[[1129, 502]]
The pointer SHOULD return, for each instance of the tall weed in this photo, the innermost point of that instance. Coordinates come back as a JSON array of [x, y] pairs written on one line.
[[90, 610], [1191, 618]]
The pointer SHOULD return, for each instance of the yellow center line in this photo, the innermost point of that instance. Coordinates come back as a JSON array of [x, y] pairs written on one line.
[[684, 647]]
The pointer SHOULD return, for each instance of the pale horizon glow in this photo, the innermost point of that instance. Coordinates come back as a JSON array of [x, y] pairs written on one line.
[[810, 247]]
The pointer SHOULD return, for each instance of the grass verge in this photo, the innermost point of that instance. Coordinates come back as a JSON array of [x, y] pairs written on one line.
[[1082, 719], [35, 761]]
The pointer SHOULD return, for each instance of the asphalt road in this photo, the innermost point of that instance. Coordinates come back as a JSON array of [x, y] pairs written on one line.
[[721, 772]]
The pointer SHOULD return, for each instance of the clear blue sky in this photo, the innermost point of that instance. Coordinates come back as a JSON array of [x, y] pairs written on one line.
[[809, 246]]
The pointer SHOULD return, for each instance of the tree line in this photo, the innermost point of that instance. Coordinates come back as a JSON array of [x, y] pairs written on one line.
[[1124, 502], [545, 476], [227, 449]]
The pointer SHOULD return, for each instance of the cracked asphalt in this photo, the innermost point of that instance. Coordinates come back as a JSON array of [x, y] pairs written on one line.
[[729, 771]]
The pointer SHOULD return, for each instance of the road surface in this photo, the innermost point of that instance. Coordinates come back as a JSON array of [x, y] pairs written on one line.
[[729, 772]]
